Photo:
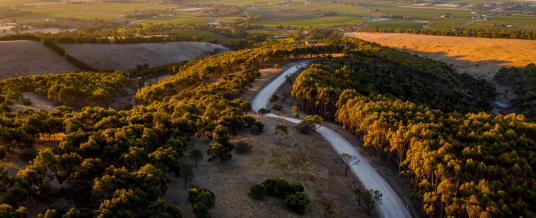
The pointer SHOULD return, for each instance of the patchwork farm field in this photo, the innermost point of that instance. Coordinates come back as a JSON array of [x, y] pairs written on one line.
[[127, 56], [28, 57], [481, 57]]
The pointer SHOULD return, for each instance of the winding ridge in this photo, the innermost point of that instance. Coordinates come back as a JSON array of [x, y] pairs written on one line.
[[392, 205]]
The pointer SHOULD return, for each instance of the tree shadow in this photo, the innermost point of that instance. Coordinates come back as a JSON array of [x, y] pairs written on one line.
[[482, 69]]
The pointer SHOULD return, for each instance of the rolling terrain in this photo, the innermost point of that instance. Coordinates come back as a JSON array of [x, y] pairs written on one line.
[[20, 58]]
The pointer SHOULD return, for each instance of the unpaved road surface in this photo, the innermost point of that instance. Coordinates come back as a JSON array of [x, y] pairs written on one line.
[[392, 205]]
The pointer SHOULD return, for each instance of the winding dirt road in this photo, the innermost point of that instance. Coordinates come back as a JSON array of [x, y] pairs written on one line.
[[392, 205]]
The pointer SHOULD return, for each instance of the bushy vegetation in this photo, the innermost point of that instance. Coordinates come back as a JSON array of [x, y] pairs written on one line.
[[68, 89], [201, 200], [522, 80], [461, 164], [116, 163], [370, 68], [292, 193]]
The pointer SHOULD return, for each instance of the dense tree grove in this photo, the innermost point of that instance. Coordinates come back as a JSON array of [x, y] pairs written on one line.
[[369, 68], [522, 80], [467, 32], [462, 165], [69, 89], [116, 163]]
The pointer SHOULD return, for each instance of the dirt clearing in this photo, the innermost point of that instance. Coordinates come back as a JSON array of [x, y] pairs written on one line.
[[480, 57], [127, 56], [21, 58], [295, 157]]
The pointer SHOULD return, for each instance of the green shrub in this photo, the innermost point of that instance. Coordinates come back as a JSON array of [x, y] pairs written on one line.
[[297, 202], [257, 128], [281, 127], [201, 200], [257, 191], [293, 194], [276, 107], [264, 111], [305, 127]]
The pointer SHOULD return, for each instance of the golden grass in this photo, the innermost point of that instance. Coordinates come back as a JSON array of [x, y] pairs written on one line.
[[481, 57]]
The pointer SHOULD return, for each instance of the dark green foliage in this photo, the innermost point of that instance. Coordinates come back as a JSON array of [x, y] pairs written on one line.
[[522, 80], [71, 89], [257, 191], [281, 127], [257, 128], [371, 69], [305, 127], [202, 200], [297, 202], [264, 111], [292, 193], [276, 107]]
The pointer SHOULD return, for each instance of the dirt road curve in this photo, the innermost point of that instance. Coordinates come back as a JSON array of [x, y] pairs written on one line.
[[392, 205]]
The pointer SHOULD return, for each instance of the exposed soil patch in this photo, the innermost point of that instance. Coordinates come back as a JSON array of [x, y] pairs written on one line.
[[21, 58], [127, 56], [296, 157]]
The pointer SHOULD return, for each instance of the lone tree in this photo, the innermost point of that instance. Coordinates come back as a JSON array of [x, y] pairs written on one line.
[[348, 161], [202, 200]]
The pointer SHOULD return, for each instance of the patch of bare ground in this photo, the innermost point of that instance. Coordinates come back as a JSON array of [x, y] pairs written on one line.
[[480, 57], [21, 58], [295, 157], [127, 56], [400, 184]]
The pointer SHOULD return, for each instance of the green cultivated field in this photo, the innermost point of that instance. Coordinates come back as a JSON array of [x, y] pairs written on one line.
[[272, 13]]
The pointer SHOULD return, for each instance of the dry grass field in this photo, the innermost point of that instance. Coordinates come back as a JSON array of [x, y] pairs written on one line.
[[481, 57], [127, 56], [20, 58]]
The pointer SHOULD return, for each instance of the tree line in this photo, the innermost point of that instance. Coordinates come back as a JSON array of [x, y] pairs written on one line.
[[460, 164], [528, 34], [68, 89], [371, 69]]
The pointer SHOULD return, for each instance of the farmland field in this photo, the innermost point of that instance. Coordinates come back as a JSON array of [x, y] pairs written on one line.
[[127, 56], [477, 56], [28, 57]]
